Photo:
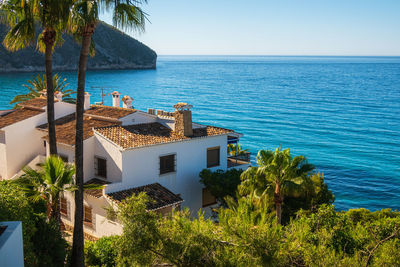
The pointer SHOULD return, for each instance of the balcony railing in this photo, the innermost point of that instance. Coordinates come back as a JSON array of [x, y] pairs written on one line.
[[239, 160]]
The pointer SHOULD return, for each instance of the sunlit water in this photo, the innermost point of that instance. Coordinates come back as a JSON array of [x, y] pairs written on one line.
[[343, 113]]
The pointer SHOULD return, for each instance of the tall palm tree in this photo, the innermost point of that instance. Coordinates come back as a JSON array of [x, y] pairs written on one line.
[[23, 17], [83, 20], [277, 174], [38, 84]]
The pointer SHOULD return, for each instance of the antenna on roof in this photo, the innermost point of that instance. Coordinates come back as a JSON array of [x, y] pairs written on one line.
[[104, 93]]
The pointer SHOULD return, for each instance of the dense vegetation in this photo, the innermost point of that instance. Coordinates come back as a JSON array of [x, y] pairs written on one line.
[[249, 236], [43, 242], [245, 231]]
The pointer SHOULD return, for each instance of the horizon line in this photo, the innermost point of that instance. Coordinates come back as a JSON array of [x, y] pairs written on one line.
[[283, 55]]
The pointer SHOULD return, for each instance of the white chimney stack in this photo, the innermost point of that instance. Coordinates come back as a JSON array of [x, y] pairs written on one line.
[[59, 95], [87, 101], [127, 101], [115, 97]]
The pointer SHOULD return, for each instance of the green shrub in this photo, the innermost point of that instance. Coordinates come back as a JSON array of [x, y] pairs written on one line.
[[102, 252], [221, 183], [42, 241]]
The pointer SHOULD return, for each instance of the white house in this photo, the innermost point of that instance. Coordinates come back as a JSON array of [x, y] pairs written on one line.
[[20, 142], [131, 151]]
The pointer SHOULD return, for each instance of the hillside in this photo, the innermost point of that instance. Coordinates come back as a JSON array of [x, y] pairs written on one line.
[[114, 50]]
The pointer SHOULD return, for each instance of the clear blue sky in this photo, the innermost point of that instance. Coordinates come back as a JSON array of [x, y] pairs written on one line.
[[272, 27]]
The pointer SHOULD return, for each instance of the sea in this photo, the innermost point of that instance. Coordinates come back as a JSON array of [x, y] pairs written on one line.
[[342, 113]]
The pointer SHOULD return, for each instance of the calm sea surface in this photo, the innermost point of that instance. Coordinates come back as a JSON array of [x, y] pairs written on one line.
[[343, 113]]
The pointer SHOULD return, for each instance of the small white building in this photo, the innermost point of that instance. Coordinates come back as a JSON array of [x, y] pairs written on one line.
[[131, 151], [11, 244]]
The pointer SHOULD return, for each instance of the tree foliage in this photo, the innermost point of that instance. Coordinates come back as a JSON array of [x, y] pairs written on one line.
[[38, 84], [42, 240], [221, 183], [247, 235]]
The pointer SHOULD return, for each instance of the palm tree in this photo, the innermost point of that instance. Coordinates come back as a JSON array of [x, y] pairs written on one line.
[[236, 150], [38, 84], [277, 174], [23, 17], [53, 178], [83, 20], [48, 183]]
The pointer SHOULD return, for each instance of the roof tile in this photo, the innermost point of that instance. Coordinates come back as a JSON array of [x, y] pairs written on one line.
[[18, 115], [66, 127], [147, 134], [162, 196], [111, 112]]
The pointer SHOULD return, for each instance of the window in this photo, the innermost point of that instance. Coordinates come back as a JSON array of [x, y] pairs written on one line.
[[212, 157], [167, 164], [87, 215], [2, 137], [208, 198], [64, 206], [63, 157], [100, 167]]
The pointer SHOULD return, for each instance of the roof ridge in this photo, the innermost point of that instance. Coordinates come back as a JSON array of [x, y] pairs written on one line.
[[104, 106], [102, 118]]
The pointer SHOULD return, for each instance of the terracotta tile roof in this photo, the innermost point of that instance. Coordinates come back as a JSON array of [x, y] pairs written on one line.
[[97, 193], [65, 127], [110, 112], [162, 196], [17, 115], [147, 134], [37, 102]]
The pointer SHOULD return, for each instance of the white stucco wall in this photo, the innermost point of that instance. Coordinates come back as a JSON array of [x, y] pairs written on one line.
[[137, 118], [112, 154], [141, 166], [3, 161], [62, 109], [101, 225], [24, 142]]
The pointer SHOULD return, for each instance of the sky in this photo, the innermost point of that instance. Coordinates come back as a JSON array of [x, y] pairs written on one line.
[[272, 27]]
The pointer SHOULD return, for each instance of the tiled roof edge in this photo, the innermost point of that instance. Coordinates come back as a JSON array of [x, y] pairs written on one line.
[[105, 138]]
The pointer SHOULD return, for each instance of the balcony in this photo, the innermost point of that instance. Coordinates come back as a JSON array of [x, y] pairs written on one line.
[[241, 161]]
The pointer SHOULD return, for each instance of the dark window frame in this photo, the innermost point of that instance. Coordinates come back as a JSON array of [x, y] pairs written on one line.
[[214, 164], [166, 159], [64, 157], [2, 137], [207, 204], [99, 172], [87, 220], [64, 201]]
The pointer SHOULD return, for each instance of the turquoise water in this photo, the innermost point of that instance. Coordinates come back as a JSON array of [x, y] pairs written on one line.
[[343, 113]]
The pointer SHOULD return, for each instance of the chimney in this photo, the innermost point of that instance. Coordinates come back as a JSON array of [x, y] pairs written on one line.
[[127, 102], [59, 95], [183, 119], [87, 101], [115, 97]]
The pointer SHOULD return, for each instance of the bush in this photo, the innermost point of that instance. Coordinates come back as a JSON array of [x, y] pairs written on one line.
[[43, 242], [102, 252], [221, 183]]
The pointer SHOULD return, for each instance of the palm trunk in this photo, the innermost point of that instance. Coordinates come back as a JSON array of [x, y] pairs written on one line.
[[78, 257], [49, 36], [55, 212], [278, 203]]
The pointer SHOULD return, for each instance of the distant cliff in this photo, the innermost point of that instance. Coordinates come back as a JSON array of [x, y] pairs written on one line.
[[114, 50]]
